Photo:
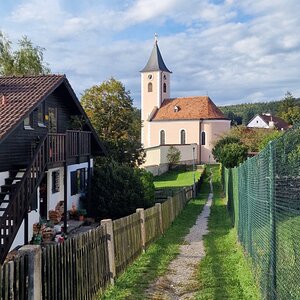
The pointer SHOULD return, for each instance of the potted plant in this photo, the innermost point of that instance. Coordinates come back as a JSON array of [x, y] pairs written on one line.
[[81, 214]]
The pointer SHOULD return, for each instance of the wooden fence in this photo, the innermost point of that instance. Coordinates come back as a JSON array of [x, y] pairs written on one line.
[[84, 265]]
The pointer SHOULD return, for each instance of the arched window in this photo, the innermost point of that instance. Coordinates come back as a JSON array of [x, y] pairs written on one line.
[[149, 87], [203, 138], [182, 136], [165, 88], [162, 137]]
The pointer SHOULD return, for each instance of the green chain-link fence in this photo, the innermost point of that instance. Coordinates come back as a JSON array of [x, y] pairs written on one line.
[[264, 203]]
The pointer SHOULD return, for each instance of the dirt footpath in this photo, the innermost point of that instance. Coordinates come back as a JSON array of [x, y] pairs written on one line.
[[180, 280]]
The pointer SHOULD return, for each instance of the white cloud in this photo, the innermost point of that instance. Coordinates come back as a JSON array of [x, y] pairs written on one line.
[[235, 51]]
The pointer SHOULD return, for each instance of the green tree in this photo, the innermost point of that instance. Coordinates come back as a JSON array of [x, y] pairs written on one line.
[[110, 109], [292, 115], [287, 102], [27, 60], [274, 134], [230, 152], [173, 156], [118, 190]]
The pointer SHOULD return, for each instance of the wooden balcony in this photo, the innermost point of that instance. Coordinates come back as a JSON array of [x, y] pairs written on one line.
[[71, 147]]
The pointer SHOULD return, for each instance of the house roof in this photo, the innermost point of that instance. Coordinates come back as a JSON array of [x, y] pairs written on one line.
[[155, 62], [188, 108], [20, 95]]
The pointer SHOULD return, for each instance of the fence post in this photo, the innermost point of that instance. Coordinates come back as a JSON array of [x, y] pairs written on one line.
[[108, 225], [273, 254], [158, 206], [34, 254], [141, 213], [172, 208]]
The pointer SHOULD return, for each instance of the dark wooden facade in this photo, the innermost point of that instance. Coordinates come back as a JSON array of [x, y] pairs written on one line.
[[17, 149]]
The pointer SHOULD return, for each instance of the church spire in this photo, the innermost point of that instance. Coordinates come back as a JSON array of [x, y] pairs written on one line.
[[155, 62]]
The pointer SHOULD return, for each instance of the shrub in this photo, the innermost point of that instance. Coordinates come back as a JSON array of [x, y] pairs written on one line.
[[117, 190], [173, 156]]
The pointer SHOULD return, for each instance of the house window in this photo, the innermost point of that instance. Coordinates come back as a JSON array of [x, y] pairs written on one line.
[[55, 182], [52, 111], [41, 114], [165, 88], [78, 181], [28, 122], [150, 87], [162, 137], [203, 138], [182, 136]]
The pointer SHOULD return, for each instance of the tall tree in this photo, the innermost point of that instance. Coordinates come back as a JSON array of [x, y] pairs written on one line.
[[26, 60], [289, 110], [110, 108]]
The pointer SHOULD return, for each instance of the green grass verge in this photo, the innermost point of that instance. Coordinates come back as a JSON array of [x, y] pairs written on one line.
[[152, 264], [176, 179], [224, 273]]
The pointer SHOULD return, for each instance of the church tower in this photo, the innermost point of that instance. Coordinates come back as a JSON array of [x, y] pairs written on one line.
[[155, 88]]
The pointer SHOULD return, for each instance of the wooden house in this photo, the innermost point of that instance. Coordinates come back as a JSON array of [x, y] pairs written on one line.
[[45, 157]]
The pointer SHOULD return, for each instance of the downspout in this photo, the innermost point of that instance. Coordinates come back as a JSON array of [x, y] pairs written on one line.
[[200, 140]]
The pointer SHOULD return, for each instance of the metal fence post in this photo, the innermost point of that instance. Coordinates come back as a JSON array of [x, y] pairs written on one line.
[[34, 254], [141, 213], [108, 225], [273, 254]]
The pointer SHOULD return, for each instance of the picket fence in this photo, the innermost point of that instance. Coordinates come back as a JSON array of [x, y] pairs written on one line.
[[84, 265]]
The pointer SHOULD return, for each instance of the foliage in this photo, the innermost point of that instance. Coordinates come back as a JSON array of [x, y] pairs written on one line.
[[274, 134], [224, 272], [292, 115], [117, 190], [230, 152], [147, 181], [173, 156], [253, 138], [27, 60], [110, 109]]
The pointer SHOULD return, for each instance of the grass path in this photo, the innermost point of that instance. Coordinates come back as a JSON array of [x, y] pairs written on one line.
[[224, 273], [133, 283]]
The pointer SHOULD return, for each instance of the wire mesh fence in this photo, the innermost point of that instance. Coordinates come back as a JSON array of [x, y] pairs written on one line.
[[264, 203]]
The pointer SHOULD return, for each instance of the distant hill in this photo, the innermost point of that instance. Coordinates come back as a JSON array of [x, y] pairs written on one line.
[[243, 113]]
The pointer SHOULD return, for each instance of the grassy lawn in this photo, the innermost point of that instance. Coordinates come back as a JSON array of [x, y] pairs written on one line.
[[176, 179], [224, 273], [135, 280]]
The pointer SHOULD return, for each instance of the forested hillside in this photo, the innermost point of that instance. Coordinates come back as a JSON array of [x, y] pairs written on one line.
[[243, 113]]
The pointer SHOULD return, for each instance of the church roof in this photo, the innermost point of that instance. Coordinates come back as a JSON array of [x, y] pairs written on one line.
[[188, 108], [155, 62]]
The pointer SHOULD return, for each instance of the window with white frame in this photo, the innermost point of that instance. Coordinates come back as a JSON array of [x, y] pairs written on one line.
[[203, 138]]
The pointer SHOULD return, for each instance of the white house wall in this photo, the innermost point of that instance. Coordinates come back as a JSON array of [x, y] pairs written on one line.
[[3, 175], [54, 198], [257, 122], [75, 198]]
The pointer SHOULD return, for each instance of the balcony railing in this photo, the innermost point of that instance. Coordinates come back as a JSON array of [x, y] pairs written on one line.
[[72, 144]]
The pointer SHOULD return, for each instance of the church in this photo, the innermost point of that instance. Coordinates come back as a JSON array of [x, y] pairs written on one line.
[[191, 124]]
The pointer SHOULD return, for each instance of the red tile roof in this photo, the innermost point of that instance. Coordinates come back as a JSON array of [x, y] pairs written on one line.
[[188, 108], [22, 94]]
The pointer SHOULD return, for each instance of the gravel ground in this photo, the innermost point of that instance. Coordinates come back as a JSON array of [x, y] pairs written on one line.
[[180, 281]]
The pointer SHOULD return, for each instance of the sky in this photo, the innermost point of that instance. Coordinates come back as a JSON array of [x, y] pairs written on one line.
[[233, 51]]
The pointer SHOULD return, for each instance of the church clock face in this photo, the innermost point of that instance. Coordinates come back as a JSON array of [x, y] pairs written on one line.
[[150, 76]]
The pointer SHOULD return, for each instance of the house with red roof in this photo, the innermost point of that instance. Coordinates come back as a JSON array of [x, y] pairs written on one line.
[[191, 124], [46, 160]]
